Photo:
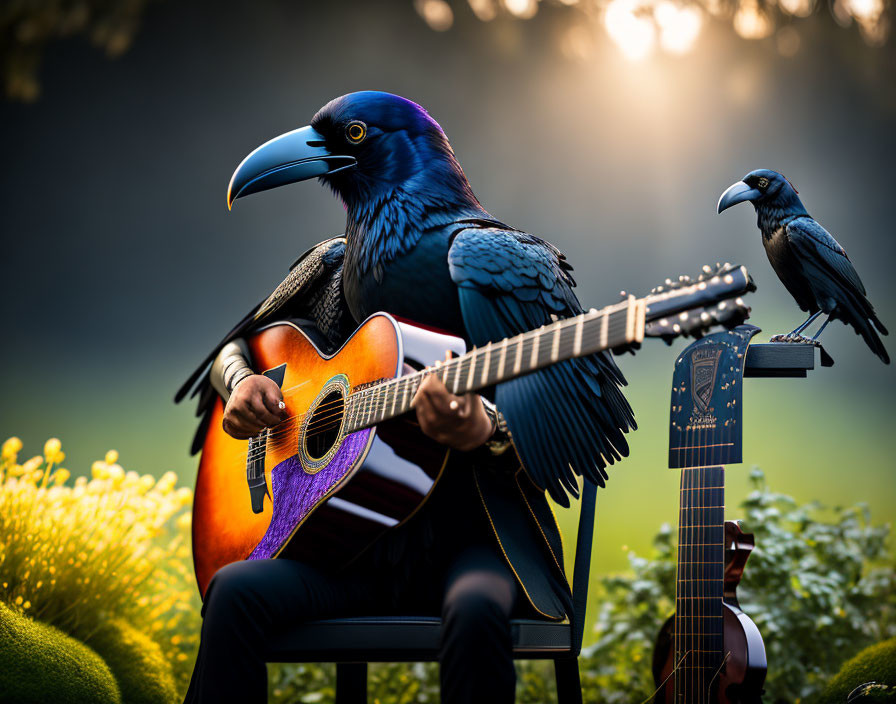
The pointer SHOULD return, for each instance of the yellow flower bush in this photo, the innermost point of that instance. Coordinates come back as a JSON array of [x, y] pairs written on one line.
[[77, 555]]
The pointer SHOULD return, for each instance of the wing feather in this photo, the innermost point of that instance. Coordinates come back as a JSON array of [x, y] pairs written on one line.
[[567, 419]]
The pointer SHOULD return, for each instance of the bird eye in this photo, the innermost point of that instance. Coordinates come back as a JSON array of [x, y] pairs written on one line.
[[355, 131], [762, 183]]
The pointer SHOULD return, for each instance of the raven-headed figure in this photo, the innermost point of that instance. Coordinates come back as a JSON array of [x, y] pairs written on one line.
[[419, 245]]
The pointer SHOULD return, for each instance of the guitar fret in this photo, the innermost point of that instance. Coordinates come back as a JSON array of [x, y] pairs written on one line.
[[604, 328], [487, 364], [533, 360], [518, 361], [394, 397], [502, 359], [456, 365], [370, 409], [700, 545], [698, 562], [555, 344], [702, 617], [472, 369], [577, 343]]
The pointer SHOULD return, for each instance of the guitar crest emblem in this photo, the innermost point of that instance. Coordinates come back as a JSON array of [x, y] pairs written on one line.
[[704, 365]]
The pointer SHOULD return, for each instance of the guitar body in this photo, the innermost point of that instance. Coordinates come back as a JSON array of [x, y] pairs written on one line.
[[342, 489], [741, 677]]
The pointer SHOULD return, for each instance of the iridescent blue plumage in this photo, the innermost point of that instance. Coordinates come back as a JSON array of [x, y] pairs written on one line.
[[420, 246]]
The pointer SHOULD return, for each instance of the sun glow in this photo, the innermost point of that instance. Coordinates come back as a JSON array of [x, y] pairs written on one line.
[[641, 28], [631, 28], [679, 26]]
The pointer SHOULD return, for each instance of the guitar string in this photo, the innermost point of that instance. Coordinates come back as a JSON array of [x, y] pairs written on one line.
[[381, 390], [376, 408], [675, 668], [278, 437], [384, 387], [554, 328], [562, 325], [378, 405], [373, 410]]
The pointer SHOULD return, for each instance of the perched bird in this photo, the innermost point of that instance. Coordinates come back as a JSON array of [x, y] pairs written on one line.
[[811, 264], [419, 245]]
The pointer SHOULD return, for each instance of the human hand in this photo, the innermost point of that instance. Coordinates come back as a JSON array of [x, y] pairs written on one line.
[[255, 404], [460, 422]]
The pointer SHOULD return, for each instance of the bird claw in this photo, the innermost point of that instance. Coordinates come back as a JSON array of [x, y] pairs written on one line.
[[826, 359], [799, 339]]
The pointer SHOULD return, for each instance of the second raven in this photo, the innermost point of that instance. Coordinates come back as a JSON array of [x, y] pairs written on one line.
[[811, 264]]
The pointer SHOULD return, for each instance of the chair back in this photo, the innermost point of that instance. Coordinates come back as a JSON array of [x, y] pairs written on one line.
[[582, 565]]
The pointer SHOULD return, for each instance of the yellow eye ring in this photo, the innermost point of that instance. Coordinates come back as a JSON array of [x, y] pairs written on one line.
[[355, 131], [763, 183]]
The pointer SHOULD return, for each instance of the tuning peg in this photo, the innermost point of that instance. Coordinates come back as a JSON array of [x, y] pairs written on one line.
[[707, 269], [668, 282]]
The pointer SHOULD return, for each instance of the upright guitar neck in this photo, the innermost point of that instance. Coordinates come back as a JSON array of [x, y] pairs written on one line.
[[704, 433]]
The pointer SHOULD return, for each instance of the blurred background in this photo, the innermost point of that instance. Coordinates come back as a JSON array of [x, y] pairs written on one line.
[[609, 128]]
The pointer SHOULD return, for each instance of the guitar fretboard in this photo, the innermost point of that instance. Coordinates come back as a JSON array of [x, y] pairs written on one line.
[[699, 626], [581, 335]]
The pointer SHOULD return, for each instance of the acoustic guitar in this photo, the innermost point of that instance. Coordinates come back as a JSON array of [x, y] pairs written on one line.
[[350, 462], [709, 651]]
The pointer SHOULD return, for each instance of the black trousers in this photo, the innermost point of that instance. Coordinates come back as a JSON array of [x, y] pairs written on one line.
[[247, 602]]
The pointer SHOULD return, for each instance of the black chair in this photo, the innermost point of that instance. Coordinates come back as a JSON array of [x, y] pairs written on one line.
[[353, 642]]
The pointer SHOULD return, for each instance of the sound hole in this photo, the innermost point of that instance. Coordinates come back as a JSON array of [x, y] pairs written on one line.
[[322, 430]]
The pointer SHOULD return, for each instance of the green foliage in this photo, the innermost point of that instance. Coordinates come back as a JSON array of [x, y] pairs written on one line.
[[819, 590], [42, 664], [874, 664], [820, 585], [633, 608], [143, 673]]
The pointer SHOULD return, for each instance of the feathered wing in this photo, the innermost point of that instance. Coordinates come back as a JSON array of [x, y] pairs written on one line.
[[832, 276], [312, 289], [566, 419]]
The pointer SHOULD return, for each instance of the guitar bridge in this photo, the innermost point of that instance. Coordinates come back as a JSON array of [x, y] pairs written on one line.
[[255, 471], [258, 488]]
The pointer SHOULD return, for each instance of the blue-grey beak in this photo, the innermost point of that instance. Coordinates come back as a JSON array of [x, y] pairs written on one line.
[[737, 193], [291, 157]]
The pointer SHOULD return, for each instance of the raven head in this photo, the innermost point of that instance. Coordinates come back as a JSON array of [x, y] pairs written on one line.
[[759, 187], [361, 145]]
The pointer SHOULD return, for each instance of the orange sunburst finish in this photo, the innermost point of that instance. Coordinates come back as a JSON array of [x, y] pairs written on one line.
[[224, 527]]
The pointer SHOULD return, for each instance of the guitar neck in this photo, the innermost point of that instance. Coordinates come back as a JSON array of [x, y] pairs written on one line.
[[512, 357], [699, 623]]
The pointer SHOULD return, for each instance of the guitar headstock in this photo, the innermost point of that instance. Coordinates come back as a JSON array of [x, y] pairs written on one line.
[[689, 307]]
